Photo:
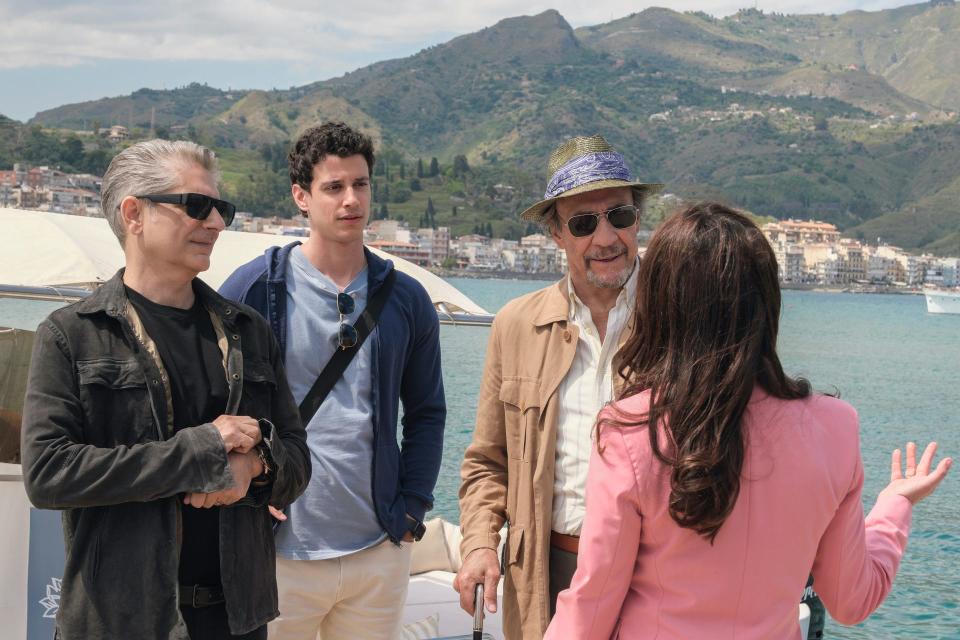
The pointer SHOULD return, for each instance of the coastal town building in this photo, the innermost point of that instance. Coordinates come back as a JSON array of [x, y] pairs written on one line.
[[813, 253], [808, 252]]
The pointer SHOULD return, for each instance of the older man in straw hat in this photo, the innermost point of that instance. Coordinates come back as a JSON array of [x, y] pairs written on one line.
[[550, 367]]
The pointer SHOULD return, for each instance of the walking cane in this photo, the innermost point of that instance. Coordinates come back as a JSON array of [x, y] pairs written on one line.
[[478, 612]]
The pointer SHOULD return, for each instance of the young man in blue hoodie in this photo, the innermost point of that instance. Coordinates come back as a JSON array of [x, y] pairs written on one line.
[[343, 552]]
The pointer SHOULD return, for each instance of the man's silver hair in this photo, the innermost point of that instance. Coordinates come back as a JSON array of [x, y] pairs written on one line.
[[550, 221], [151, 166]]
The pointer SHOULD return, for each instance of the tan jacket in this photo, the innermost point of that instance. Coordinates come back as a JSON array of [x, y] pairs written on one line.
[[507, 473]]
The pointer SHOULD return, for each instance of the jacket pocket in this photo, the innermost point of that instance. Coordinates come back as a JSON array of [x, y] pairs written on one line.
[[259, 385], [107, 372], [521, 407], [114, 392]]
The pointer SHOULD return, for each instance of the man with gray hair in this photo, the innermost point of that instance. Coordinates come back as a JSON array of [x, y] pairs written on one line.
[[158, 419]]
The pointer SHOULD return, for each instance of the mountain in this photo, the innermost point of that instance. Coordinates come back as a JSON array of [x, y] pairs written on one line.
[[691, 42], [844, 118], [912, 47], [163, 107]]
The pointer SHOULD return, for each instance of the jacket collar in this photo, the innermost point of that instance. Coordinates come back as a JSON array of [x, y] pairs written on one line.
[[377, 269], [111, 298], [277, 258], [554, 306]]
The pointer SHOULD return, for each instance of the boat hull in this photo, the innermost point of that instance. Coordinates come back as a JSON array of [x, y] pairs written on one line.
[[942, 301]]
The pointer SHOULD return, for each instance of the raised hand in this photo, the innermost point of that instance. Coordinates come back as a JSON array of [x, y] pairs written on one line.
[[239, 433], [917, 481]]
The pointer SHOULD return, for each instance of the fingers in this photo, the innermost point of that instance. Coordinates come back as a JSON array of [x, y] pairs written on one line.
[[212, 500], [250, 428], [927, 459], [240, 433], [941, 471], [896, 468], [465, 586], [209, 500], [490, 591], [911, 460], [242, 443], [194, 499], [276, 513]]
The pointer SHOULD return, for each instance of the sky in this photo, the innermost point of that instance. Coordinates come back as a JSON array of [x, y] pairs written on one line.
[[55, 52]]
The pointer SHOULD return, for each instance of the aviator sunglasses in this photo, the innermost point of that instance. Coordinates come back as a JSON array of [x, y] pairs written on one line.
[[347, 335], [584, 224], [198, 206]]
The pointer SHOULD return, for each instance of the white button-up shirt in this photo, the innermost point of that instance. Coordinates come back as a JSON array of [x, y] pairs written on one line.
[[587, 387]]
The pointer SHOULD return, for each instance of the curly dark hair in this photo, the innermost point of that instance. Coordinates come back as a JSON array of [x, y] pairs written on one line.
[[707, 317], [316, 143]]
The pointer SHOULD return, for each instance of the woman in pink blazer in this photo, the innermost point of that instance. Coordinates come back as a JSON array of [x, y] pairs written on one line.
[[708, 525]]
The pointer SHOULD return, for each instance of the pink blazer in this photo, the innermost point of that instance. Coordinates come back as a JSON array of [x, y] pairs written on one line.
[[641, 576]]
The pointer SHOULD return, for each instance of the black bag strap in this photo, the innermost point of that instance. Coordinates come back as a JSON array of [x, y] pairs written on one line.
[[341, 357]]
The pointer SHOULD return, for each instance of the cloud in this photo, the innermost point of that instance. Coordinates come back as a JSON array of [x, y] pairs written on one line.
[[338, 36]]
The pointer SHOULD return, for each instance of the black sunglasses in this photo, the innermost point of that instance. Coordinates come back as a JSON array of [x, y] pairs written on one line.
[[198, 206], [347, 335], [584, 224]]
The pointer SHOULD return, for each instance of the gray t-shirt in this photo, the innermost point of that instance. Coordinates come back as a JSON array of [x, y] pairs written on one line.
[[335, 515]]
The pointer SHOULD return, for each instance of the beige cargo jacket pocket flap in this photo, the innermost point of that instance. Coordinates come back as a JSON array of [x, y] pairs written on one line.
[[521, 400]]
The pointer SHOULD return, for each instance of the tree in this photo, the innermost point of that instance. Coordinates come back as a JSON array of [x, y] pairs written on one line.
[[430, 215], [72, 153], [419, 168], [434, 167], [415, 184], [96, 162], [460, 166], [384, 212], [403, 171], [453, 212]]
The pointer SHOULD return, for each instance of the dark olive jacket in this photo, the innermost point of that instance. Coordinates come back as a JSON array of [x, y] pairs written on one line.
[[98, 443]]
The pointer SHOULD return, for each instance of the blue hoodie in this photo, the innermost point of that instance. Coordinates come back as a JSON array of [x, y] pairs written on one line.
[[406, 367]]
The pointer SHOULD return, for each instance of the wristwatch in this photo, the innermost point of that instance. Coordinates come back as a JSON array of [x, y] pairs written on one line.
[[416, 528]]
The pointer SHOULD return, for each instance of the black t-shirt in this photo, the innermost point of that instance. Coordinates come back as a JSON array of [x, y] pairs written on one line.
[[188, 347]]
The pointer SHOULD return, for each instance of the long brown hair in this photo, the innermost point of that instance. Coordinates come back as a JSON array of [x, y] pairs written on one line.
[[707, 315]]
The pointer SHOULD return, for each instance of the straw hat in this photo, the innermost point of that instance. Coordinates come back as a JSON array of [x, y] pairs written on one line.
[[582, 164]]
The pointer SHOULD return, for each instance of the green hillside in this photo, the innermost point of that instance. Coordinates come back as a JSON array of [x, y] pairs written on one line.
[[842, 118]]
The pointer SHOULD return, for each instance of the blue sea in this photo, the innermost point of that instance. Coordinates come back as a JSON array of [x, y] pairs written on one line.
[[898, 365]]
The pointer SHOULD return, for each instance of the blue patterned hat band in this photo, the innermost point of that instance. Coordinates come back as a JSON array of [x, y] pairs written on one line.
[[590, 167]]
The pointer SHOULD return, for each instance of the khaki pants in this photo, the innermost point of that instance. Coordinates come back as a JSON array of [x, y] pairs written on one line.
[[355, 597]]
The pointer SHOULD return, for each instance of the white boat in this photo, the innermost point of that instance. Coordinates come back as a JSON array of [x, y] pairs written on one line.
[[942, 300], [68, 254]]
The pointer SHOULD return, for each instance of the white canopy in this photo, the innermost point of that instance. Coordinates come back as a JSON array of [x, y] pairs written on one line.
[[40, 249]]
